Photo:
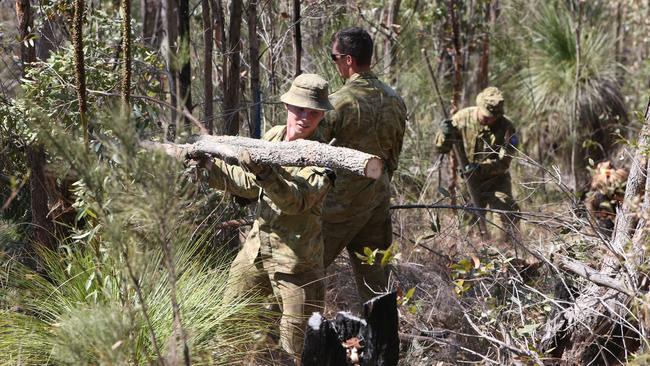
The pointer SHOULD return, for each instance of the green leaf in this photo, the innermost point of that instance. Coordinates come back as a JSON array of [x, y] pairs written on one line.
[[527, 329], [444, 192]]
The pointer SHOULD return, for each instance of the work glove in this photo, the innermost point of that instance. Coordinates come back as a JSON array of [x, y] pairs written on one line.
[[203, 161], [471, 169], [449, 130], [261, 171]]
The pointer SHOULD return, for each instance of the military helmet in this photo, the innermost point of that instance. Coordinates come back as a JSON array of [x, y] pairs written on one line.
[[490, 102], [308, 91]]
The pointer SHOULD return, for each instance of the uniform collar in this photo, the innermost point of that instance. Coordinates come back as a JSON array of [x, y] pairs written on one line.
[[361, 75]]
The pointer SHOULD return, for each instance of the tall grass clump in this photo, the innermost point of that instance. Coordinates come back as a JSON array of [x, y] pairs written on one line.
[[137, 281], [548, 84]]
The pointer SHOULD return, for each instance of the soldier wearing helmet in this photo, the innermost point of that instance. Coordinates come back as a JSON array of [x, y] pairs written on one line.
[[490, 141]]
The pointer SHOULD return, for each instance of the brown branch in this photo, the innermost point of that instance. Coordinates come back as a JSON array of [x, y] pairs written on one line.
[[594, 276]]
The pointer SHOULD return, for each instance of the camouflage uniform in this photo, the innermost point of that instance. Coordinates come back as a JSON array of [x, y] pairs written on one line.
[[368, 116], [491, 148], [283, 253]]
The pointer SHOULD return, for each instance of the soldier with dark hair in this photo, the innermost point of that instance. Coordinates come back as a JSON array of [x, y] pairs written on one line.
[[354, 42], [368, 116]]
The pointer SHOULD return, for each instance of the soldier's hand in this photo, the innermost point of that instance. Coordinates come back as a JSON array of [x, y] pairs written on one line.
[[448, 129], [470, 169], [204, 161], [261, 171]]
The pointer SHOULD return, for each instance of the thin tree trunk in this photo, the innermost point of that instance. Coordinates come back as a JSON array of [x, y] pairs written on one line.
[[390, 48], [231, 97], [26, 38], [185, 74], [220, 40], [457, 82], [297, 39], [253, 40], [576, 102], [207, 66], [169, 51], [483, 73], [125, 8], [149, 17], [80, 70]]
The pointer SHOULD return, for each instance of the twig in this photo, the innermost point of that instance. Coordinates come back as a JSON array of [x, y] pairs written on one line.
[[594, 276], [513, 349]]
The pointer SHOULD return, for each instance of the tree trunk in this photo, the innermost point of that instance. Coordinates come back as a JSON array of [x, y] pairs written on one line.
[[285, 153], [390, 46], [256, 108], [80, 69], [26, 37], [169, 51], [42, 227], [207, 66], [232, 91], [125, 8], [456, 57], [576, 103], [185, 74], [150, 19], [579, 333], [483, 79], [220, 41], [297, 39]]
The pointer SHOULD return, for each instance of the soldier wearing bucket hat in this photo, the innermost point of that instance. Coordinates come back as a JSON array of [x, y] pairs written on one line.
[[283, 253], [490, 141]]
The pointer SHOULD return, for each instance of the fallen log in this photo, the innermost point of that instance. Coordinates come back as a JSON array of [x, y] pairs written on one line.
[[285, 153]]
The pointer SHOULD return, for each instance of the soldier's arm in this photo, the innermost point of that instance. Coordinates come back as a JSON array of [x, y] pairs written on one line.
[[501, 164], [444, 144], [232, 179], [396, 138], [298, 193]]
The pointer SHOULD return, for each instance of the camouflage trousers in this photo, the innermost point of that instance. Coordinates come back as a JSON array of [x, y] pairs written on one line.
[[372, 229], [298, 295], [496, 194]]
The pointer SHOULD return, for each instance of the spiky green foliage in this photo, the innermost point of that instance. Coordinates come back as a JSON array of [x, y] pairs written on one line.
[[105, 296], [548, 82]]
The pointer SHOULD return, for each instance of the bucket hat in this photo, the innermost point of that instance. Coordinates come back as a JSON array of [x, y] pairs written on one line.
[[308, 91]]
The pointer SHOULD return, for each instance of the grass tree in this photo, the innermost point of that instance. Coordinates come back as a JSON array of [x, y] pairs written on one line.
[[549, 85], [138, 259]]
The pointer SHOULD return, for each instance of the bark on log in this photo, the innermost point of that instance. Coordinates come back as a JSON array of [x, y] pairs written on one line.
[[574, 335], [286, 153]]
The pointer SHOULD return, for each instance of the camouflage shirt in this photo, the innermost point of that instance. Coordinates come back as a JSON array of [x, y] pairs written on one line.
[[492, 147], [287, 225], [369, 116]]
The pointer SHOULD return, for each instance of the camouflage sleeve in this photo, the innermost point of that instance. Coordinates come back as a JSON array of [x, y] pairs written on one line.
[[297, 193], [395, 136], [328, 126], [501, 164], [232, 179]]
